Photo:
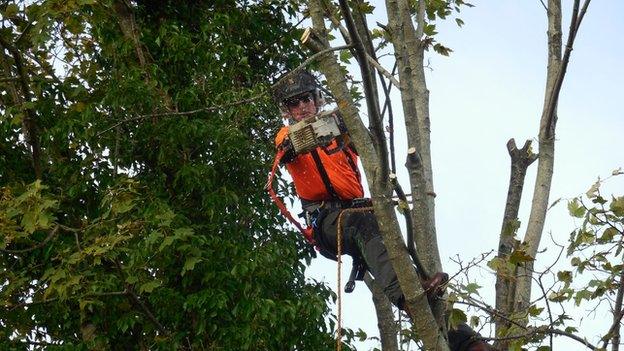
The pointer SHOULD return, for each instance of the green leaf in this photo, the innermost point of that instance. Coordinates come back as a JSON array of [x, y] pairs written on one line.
[[571, 330], [456, 317], [361, 335], [593, 190], [564, 276], [442, 50], [429, 29], [617, 206], [473, 288], [511, 227], [609, 234], [190, 263], [149, 286], [11, 10], [459, 22], [535, 311], [581, 295], [557, 296], [474, 321], [122, 206], [519, 256], [29, 222], [576, 209], [345, 56]]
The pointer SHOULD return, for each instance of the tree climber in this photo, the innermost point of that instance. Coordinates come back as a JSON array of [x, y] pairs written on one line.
[[327, 182]]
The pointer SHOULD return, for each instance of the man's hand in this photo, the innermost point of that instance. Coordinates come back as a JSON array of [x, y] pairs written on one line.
[[289, 151]]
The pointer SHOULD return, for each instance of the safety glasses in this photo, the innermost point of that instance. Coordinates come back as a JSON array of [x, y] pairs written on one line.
[[294, 101]]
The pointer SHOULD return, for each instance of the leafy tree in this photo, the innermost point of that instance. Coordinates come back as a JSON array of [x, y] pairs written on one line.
[[134, 142]]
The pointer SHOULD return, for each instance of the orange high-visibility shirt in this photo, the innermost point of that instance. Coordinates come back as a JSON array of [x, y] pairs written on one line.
[[341, 169]]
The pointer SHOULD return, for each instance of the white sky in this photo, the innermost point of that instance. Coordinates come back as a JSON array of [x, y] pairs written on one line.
[[489, 90]]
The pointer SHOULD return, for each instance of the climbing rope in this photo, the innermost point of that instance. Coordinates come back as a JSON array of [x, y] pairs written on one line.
[[339, 260]]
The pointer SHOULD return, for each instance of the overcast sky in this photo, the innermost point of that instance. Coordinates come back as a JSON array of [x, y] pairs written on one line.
[[490, 90]]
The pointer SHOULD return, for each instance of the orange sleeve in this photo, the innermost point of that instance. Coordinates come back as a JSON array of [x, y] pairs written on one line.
[[281, 135]]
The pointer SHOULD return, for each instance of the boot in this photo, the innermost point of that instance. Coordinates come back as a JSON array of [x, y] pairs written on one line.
[[434, 286]]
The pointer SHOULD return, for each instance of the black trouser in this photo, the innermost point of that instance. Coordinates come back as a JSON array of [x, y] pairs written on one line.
[[361, 240]]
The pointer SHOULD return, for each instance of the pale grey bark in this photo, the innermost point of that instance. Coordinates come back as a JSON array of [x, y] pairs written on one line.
[[557, 65], [409, 49], [614, 331], [520, 161], [541, 191], [388, 327]]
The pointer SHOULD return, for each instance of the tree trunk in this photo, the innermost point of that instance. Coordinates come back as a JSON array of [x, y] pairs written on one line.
[[520, 161], [541, 191], [388, 328]]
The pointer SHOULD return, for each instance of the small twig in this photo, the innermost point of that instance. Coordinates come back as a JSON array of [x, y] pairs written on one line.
[[542, 330], [550, 317], [575, 23], [383, 71], [473, 263], [51, 235]]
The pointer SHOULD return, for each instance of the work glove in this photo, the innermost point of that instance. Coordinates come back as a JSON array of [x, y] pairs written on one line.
[[289, 151]]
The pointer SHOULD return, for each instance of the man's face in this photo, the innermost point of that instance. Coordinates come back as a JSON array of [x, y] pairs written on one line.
[[301, 106]]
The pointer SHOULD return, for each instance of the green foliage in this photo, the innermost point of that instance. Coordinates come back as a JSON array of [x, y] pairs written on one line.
[[595, 247], [456, 317], [146, 228], [594, 250]]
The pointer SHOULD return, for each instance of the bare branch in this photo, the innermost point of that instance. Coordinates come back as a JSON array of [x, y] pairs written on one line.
[[376, 126], [554, 94], [614, 331]]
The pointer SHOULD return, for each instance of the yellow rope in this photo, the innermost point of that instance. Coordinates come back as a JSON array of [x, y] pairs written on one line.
[[339, 260]]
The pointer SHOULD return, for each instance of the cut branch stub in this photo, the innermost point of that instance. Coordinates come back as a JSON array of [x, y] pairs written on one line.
[[413, 159], [524, 155], [521, 159]]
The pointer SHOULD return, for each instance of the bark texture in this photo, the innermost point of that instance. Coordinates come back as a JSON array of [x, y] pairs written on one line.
[[541, 191], [388, 327], [409, 47], [521, 159]]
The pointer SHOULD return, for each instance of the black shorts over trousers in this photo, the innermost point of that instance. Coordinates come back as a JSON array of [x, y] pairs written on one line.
[[361, 240]]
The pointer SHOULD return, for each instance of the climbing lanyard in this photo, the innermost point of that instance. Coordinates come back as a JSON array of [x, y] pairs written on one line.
[[307, 232]]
